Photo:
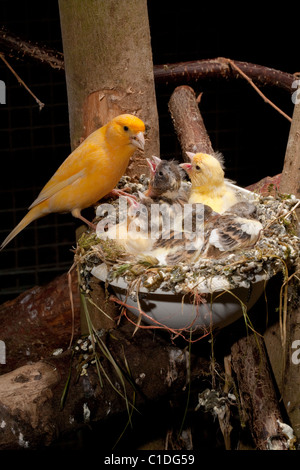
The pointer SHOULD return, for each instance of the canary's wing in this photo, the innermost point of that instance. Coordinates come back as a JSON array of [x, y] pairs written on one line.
[[54, 187], [233, 233], [73, 168]]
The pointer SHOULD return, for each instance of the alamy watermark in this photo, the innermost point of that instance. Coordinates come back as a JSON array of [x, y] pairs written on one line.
[[296, 94], [2, 352], [296, 353], [2, 92], [155, 221]]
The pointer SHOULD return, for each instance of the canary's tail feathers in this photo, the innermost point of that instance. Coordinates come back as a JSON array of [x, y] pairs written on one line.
[[35, 213]]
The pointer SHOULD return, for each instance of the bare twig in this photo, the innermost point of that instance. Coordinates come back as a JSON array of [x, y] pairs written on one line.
[[41, 105], [250, 81], [20, 48]]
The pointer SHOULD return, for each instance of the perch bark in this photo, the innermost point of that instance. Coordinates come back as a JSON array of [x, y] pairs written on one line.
[[30, 396], [282, 345], [188, 122], [257, 393], [290, 184], [182, 72], [39, 321], [103, 69], [290, 180]]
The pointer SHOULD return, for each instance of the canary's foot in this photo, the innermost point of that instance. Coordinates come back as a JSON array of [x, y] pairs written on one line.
[[76, 213], [90, 224], [119, 192]]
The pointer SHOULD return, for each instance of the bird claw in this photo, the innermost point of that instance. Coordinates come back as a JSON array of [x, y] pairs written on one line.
[[120, 192]]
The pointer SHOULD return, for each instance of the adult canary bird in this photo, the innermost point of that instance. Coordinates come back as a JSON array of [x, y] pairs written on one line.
[[209, 185], [90, 172]]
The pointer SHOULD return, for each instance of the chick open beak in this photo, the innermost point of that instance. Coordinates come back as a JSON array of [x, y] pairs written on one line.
[[138, 140], [153, 164], [190, 155], [186, 166]]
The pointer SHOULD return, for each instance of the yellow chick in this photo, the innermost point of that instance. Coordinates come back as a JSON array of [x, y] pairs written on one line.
[[90, 172], [208, 183]]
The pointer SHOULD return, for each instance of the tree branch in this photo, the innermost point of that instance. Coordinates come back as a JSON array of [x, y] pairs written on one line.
[[31, 396], [165, 74], [191, 72], [20, 48]]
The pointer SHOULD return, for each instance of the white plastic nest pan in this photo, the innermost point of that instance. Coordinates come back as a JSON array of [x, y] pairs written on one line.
[[178, 311]]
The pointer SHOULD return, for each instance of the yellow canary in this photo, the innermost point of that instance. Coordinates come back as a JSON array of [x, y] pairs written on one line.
[[208, 183], [90, 172]]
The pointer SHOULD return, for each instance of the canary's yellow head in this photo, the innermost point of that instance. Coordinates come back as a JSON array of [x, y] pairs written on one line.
[[204, 170], [124, 130]]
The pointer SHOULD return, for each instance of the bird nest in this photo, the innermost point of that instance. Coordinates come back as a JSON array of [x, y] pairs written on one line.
[[276, 250]]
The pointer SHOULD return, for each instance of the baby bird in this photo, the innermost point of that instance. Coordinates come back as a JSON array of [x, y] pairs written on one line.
[[236, 229], [131, 233], [90, 172], [154, 212], [165, 191], [208, 183], [165, 182]]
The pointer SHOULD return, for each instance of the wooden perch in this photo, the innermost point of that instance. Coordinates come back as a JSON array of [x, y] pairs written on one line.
[[182, 100], [39, 321], [32, 383], [188, 122], [191, 72], [257, 393], [30, 396], [165, 74]]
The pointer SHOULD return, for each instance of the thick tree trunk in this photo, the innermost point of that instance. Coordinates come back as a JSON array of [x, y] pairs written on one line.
[[291, 374], [284, 342], [290, 180], [109, 69]]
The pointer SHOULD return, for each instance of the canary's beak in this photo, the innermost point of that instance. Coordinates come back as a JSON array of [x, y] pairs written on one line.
[[186, 166], [138, 140]]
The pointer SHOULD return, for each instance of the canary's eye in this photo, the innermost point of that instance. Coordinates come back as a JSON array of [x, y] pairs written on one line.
[[198, 167], [160, 173], [126, 128]]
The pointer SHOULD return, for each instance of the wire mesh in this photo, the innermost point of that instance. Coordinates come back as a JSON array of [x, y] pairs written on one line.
[[33, 143]]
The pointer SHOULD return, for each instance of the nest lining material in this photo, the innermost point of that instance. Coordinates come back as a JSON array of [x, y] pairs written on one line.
[[276, 250]]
